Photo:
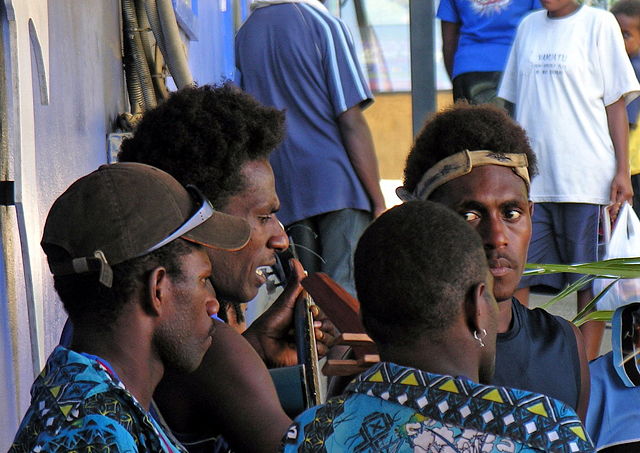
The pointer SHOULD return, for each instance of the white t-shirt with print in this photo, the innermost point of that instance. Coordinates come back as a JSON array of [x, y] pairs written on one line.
[[561, 73]]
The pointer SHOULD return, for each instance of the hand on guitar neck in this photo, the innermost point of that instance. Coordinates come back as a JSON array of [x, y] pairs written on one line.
[[272, 334]]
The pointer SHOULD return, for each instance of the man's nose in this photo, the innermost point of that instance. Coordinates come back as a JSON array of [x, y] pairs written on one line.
[[212, 303], [494, 234], [213, 307], [279, 239]]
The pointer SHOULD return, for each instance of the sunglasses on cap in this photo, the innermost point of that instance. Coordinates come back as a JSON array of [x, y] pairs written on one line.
[[203, 213], [98, 262]]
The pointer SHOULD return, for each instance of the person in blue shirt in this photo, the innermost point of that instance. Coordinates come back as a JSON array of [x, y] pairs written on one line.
[[476, 39], [295, 56], [133, 275], [612, 419]]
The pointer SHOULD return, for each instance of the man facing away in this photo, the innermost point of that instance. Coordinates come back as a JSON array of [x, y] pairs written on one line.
[[477, 161], [133, 276], [294, 55], [425, 299], [219, 139]]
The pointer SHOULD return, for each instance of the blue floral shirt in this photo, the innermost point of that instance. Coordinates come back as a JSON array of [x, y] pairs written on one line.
[[78, 405], [398, 409]]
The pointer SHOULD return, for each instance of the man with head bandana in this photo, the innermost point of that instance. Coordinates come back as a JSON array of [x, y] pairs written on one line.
[[482, 171], [434, 323]]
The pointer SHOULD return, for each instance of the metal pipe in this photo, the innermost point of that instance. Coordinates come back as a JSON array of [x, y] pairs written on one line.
[[151, 8], [423, 76], [134, 88], [155, 61], [175, 57]]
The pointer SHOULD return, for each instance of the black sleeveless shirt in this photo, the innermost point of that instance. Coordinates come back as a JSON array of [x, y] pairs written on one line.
[[539, 353]]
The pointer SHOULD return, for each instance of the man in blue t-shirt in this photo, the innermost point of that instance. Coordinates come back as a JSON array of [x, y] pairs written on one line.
[[476, 38], [296, 56]]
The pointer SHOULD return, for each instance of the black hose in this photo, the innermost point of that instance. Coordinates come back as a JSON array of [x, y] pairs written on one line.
[[141, 84]]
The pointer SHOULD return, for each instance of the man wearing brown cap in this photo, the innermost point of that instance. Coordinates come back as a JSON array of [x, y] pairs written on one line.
[[126, 247]]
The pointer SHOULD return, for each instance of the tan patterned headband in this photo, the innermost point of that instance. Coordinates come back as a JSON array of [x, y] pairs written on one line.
[[461, 164]]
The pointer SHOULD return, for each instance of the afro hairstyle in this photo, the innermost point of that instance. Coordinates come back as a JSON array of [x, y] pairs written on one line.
[[204, 135], [464, 126]]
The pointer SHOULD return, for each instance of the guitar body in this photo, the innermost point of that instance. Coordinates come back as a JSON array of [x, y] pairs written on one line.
[[343, 310]]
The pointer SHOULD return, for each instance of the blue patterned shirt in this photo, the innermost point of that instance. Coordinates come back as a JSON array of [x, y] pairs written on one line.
[[398, 409], [78, 405]]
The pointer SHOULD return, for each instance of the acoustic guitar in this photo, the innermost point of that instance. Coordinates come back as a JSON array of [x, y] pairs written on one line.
[[298, 386]]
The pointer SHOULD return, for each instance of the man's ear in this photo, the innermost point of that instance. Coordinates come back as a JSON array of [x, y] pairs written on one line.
[[475, 307], [157, 291], [531, 207]]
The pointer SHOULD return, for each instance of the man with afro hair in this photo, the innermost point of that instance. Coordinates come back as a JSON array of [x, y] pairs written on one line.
[[219, 139], [478, 162], [205, 136]]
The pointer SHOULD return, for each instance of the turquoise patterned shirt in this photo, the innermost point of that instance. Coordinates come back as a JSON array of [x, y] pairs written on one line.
[[392, 408], [78, 405]]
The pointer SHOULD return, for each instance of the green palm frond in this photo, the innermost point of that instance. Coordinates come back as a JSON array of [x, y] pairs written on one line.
[[600, 315], [592, 303], [616, 269], [572, 288]]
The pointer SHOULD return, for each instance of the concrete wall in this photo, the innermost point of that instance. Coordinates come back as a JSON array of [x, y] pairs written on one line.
[[62, 91]]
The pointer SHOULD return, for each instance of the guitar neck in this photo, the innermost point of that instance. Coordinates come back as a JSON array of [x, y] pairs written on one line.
[[307, 348]]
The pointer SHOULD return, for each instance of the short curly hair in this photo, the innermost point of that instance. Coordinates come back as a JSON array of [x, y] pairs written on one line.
[[629, 8], [414, 267], [464, 126], [93, 305], [204, 135]]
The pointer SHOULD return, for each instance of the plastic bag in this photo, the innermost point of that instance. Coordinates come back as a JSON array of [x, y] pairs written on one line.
[[624, 242]]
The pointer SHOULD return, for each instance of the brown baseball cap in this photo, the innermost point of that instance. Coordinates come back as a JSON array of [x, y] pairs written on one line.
[[126, 210]]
